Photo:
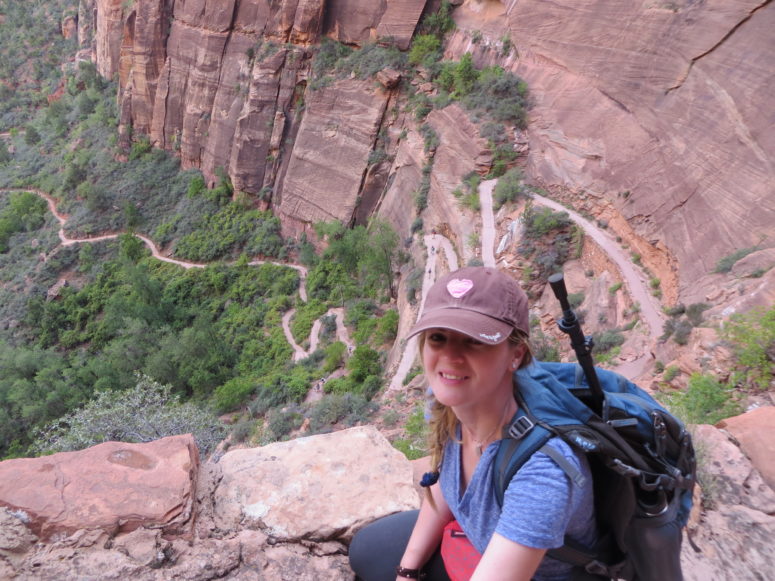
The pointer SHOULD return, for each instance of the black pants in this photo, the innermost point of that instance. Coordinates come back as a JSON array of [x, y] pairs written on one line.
[[376, 549]]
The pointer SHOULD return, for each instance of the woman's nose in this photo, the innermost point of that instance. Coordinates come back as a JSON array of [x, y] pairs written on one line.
[[453, 350]]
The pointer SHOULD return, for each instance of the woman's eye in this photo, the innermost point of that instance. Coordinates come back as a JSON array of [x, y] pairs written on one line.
[[436, 338]]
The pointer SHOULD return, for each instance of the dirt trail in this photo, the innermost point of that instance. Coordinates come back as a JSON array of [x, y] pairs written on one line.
[[634, 277], [299, 353]]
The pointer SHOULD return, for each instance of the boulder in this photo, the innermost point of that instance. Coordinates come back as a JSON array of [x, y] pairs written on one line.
[[319, 487], [726, 475], [755, 432], [112, 487], [732, 539]]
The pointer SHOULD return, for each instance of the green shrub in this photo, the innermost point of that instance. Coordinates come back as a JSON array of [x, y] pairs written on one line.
[[540, 222], [364, 362], [694, 313], [439, 23], [671, 373], [614, 288], [544, 347], [347, 408], [282, 422], [575, 299], [752, 336], [425, 47], [607, 340], [725, 264], [140, 148], [705, 401], [304, 318], [681, 331], [233, 394], [676, 310], [242, 430], [113, 416], [334, 356], [509, 188], [387, 327], [25, 212], [414, 445]]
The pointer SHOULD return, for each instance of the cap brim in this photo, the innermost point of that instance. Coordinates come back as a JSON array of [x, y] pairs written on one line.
[[475, 325]]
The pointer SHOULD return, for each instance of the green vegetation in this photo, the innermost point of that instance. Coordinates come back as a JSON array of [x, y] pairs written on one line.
[[547, 256], [509, 188], [112, 416], [413, 445], [725, 264], [682, 321], [24, 213], [705, 401], [30, 56], [358, 262], [671, 372], [752, 337], [334, 60]]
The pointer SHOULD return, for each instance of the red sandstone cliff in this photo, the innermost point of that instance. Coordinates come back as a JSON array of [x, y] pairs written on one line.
[[653, 116]]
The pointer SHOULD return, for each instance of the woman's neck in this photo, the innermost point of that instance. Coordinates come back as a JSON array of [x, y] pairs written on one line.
[[480, 427]]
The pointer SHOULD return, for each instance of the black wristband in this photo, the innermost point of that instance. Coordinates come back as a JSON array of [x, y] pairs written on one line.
[[410, 573]]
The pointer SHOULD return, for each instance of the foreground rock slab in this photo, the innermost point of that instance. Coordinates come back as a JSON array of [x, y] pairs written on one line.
[[115, 487], [755, 432], [320, 487]]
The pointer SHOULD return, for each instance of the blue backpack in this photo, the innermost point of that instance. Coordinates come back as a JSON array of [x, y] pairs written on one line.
[[642, 461]]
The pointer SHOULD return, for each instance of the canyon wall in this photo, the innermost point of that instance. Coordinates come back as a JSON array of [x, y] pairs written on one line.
[[660, 110], [652, 116]]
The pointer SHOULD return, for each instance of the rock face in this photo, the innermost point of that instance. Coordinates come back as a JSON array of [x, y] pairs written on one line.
[[666, 130], [113, 486], [751, 430], [281, 512], [734, 532], [221, 82], [669, 122], [337, 133], [286, 511], [275, 488]]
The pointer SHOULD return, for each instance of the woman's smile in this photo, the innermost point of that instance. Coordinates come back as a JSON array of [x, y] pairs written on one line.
[[463, 371]]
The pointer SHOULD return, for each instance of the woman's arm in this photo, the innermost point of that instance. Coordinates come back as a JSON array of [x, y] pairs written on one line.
[[427, 532], [505, 560]]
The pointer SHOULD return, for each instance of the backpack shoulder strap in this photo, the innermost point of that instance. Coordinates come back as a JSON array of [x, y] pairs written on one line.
[[521, 438]]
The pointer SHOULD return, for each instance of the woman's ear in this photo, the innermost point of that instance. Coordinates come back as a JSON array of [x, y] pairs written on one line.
[[519, 354]]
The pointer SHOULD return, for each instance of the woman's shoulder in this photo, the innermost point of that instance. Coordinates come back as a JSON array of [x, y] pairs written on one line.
[[561, 457]]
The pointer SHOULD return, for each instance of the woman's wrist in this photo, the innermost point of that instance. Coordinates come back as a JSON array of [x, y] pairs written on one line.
[[408, 573]]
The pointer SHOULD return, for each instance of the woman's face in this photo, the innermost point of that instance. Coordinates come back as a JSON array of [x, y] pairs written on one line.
[[465, 372]]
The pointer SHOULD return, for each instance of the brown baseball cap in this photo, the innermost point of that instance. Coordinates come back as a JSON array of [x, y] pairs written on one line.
[[481, 302]]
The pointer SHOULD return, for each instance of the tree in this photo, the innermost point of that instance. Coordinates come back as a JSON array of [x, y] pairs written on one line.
[[379, 262]]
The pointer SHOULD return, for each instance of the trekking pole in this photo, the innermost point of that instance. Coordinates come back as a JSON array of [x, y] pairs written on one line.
[[582, 345]]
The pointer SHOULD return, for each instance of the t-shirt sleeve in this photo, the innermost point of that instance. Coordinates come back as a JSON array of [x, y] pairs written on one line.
[[537, 502]]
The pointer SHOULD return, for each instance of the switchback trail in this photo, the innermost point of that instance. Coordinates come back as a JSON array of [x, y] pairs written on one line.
[[299, 352]]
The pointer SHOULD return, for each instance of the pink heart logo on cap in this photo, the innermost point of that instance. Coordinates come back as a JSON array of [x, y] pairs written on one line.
[[457, 288]]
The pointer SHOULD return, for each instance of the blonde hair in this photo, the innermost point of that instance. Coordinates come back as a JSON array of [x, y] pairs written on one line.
[[442, 425]]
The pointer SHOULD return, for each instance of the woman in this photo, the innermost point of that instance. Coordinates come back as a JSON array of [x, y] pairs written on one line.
[[473, 337]]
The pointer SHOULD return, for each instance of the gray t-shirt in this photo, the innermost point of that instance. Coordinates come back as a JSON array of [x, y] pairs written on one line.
[[541, 505]]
